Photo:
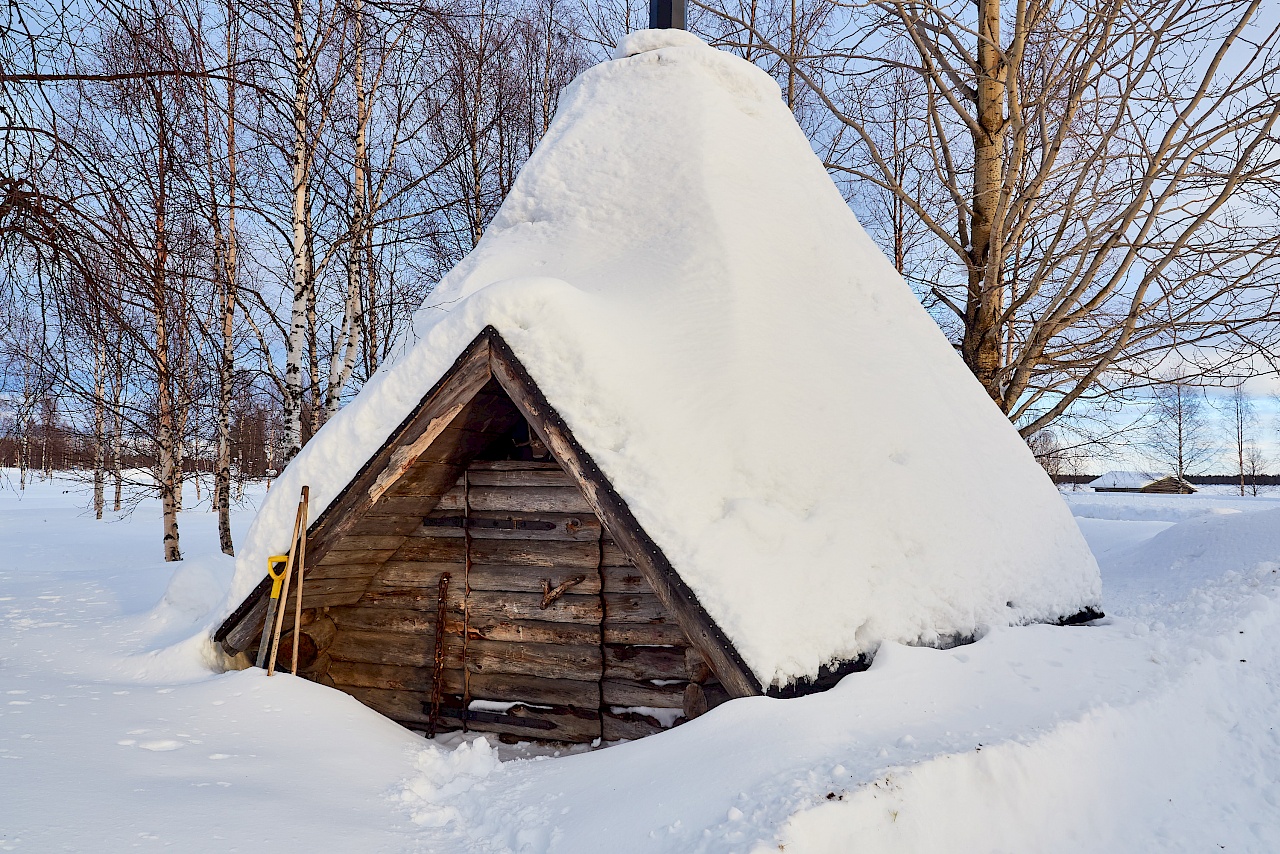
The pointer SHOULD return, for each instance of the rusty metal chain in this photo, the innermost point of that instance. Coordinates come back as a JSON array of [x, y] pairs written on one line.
[[437, 677]]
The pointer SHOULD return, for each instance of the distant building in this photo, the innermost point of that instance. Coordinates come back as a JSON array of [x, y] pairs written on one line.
[[1141, 481]]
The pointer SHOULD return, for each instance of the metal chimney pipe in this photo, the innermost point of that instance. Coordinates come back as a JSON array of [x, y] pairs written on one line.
[[666, 15]]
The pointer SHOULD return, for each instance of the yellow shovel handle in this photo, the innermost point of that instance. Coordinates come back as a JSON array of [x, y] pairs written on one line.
[[277, 578]]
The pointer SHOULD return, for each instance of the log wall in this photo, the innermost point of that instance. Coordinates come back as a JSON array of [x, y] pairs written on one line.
[[583, 663]]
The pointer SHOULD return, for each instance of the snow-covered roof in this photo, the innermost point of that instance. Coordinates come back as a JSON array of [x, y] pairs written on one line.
[[1125, 479], [690, 291]]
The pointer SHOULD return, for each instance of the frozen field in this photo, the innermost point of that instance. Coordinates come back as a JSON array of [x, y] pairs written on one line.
[[1153, 731]]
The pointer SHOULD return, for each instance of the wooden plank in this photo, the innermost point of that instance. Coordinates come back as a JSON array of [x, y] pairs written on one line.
[[617, 726], [644, 662], [499, 552], [426, 481], [635, 608], [512, 525], [242, 633], [572, 608], [631, 692], [342, 570], [561, 496], [399, 506], [381, 647], [513, 465], [325, 600], [353, 556], [531, 631], [401, 620], [651, 634], [567, 724], [327, 592], [552, 661], [355, 542], [544, 477], [416, 574], [624, 579], [530, 579], [359, 674]]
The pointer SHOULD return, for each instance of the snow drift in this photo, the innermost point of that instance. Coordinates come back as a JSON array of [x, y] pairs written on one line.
[[688, 288]]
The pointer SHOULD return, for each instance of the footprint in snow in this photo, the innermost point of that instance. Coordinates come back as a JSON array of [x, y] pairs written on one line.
[[161, 744]]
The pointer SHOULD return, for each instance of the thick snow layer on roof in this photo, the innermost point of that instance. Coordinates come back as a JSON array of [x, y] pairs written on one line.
[[1125, 480], [690, 291]]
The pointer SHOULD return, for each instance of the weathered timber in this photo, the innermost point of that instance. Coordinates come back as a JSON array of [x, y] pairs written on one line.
[[524, 499], [696, 666], [619, 725], [307, 651], [342, 570], [649, 634], [513, 525], [401, 620], [321, 630], [313, 599], [634, 692], [529, 579], [238, 635], [623, 527], [411, 507], [423, 574], [356, 542], [502, 552], [552, 661], [440, 406], [401, 525], [555, 724], [549, 476], [354, 556], [644, 662], [693, 701], [532, 631], [635, 608], [319, 589], [571, 608], [406, 650], [624, 579]]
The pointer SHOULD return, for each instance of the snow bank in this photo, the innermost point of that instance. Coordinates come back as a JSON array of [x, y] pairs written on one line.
[[690, 291]]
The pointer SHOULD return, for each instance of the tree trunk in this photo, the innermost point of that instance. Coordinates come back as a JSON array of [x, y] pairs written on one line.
[[980, 346], [299, 248], [99, 429], [166, 439]]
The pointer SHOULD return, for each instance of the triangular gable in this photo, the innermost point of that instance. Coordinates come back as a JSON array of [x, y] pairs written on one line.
[[435, 442]]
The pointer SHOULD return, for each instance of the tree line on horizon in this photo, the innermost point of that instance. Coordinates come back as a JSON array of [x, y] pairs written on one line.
[[218, 217]]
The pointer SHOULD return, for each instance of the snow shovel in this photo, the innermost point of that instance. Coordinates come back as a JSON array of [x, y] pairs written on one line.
[[275, 569], [296, 547]]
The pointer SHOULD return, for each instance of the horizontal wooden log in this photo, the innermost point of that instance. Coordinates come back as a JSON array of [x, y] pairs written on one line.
[[403, 707], [342, 570], [624, 579], [530, 579], [644, 662], [400, 525], [425, 480], [694, 701], [631, 692], [635, 608], [512, 525], [652, 634], [696, 666], [498, 552], [548, 477], [355, 556], [424, 574], [413, 507], [360, 674], [524, 499], [307, 652], [405, 650], [358, 542], [618, 726], [244, 633], [551, 661], [324, 600], [569, 608], [322, 631], [566, 724], [531, 631], [399, 620]]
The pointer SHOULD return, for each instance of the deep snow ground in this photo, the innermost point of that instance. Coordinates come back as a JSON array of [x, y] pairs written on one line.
[[1154, 731]]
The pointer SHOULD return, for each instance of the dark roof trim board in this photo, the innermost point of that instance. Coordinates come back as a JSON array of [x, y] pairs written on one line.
[[488, 356]]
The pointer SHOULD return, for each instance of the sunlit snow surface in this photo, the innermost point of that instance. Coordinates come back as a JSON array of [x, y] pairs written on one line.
[[1155, 731]]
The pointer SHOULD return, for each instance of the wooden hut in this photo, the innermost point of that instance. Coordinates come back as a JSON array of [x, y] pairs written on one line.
[[672, 433], [1137, 481], [562, 620]]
